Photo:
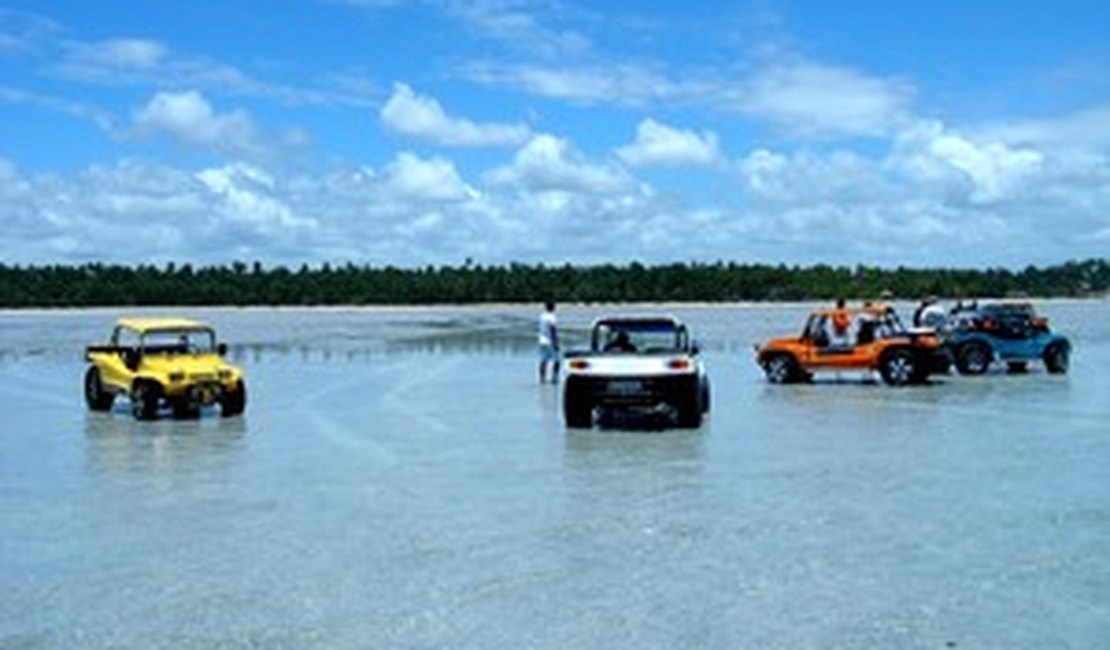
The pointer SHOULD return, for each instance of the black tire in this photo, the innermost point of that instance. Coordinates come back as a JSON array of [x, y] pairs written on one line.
[[781, 369], [973, 358], [185, 409], [234, 402], [921, 370], [577, 410], [687, 402], [96, 397], [689, 415], [898, 367], [1056, 358], [1017, 367], [144, 400]]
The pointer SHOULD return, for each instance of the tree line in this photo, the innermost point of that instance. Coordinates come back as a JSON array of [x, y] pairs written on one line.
[[94, 284]]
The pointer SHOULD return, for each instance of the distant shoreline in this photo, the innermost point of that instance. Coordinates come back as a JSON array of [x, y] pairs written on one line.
[[687, 284], [499, 306]]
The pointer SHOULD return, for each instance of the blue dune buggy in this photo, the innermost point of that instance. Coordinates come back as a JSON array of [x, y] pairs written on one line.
[[1010, 332]]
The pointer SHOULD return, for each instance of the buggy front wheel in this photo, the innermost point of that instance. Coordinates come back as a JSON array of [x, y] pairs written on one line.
[[1056, 358]]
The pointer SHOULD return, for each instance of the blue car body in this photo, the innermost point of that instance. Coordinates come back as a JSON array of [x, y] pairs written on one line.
[[1011, 333]]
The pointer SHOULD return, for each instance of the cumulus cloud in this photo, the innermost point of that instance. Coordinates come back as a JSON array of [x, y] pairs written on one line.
[[434, 179], [134, 212], [548, 163], [247, 196], [417, 116], [792, 206], [936, 197], [992, 171], [188, 118], [809, 177], [659, 144]]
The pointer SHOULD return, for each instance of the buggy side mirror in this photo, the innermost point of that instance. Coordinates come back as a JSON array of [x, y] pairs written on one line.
[[221, 349]]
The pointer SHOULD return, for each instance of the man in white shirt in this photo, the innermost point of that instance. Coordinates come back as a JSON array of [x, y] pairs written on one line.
[[549, 343]]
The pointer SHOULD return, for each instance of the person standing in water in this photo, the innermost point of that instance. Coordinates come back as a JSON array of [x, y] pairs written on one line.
[[549, 343]]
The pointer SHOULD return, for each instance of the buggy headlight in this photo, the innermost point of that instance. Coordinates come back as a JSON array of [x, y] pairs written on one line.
[[177, 376], [224, 374]]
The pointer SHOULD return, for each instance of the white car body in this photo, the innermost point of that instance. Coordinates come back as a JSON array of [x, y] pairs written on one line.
[[655, 368]]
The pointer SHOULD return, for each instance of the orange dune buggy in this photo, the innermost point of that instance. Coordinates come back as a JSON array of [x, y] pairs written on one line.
[[871, 337]]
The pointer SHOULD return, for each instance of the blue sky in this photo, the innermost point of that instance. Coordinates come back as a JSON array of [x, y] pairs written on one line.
[[414, 132]]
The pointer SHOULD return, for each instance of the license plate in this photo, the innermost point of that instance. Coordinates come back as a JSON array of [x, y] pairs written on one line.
[[626, 387]]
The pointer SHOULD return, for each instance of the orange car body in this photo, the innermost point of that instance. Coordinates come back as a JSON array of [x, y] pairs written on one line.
[[873, 339]]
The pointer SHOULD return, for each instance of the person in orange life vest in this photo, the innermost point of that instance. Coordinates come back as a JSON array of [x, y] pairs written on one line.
[[841, 320]]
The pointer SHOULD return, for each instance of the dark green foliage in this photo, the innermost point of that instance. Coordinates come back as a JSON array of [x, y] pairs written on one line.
[[243, 284]]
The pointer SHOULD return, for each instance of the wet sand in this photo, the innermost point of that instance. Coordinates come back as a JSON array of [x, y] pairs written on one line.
[[400, 480]]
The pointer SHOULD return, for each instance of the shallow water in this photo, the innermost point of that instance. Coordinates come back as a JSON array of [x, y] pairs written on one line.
[[400, 480]]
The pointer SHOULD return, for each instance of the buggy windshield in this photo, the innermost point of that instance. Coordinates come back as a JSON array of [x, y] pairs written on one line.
[[179, 341], [644, 336]]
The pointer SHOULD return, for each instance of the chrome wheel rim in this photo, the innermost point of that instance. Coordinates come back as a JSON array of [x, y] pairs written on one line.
[[778, 369], [976, 359], [900, 370]]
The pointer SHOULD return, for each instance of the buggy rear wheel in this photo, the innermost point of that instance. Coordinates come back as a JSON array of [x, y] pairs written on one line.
[[973, 358], [577, 409], [96, 397], [898, 368]]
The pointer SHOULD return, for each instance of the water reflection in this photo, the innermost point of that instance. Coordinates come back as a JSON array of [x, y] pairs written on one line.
[[346, 351], [588, 451], [118, 445]]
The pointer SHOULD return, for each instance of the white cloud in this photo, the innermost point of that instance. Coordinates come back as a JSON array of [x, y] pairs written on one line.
[[624, 85], [809, 177], [188, 118], [1082, 130], [659, 144], [133, 212], [123, 53], [993, 171], [146, 63], [416, 116], [936, 197], [102, 119], [410, 177], [816, 100], [548, 163], [804, 99], [247, 196], [520, 25]]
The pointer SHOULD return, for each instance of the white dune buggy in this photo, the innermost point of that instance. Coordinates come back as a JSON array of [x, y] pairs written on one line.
[[647, 365]]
